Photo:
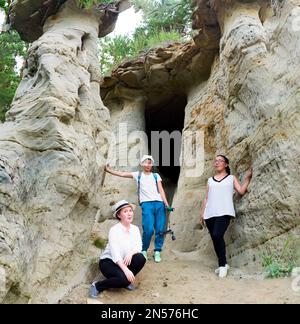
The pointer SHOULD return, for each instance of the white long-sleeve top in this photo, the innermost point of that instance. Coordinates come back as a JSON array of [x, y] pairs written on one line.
[[121, 241]]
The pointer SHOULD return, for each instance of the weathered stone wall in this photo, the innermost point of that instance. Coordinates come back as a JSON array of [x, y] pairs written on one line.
[[128, 119], [240, 75], [52, 151], [248, 109]]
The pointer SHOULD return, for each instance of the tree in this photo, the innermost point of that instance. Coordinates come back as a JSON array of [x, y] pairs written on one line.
[[163, 21], [4, 4], [11, 47], [165, 15], [90, 3]]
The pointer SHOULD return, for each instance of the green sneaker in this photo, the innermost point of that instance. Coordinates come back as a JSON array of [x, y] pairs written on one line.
[[157, 257], [145, 254]]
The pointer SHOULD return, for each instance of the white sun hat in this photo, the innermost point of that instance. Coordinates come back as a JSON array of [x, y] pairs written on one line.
[[147, 157], [120, 205]]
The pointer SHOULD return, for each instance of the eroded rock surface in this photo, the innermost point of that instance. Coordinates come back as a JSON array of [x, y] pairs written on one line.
[[243, 92], [52, 153], [240, 79]]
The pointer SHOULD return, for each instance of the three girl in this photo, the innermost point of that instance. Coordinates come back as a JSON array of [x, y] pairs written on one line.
[[126, 254]]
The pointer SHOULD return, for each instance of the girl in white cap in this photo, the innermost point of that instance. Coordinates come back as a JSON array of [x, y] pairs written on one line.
[[218, 209], [122, 259], [153, 201]]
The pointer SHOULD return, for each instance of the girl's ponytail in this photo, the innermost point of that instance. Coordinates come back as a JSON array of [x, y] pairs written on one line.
[[228, 170]]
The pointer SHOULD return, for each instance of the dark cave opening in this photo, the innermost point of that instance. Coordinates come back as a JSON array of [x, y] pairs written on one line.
[[167, 116]]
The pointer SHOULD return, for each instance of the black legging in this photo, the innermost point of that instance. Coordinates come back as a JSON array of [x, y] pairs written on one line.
[[115, 276], [217, 227]]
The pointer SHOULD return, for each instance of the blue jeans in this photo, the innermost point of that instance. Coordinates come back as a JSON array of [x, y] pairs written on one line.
[[153, 218]]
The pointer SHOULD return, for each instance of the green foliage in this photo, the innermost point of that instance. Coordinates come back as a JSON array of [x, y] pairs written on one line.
[[163, 21], [90, 3], [165, 15], [281, 263], [100, 243], [4, 4], [11, 46], [120, 48]]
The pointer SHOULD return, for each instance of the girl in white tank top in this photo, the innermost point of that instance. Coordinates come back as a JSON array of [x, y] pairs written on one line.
[[218, 209]]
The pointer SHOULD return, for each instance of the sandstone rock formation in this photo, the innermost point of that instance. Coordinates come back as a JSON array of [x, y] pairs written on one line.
[[236, 81], [52, 150], [240, 79], [29, 17]]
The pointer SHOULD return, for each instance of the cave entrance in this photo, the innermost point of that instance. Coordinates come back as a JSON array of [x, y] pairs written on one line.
[[167, 117]]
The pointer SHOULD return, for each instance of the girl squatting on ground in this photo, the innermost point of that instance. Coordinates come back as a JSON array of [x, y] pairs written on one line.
[[122, 259]]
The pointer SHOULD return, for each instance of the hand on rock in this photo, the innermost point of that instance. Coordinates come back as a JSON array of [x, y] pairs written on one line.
[[249, 173]]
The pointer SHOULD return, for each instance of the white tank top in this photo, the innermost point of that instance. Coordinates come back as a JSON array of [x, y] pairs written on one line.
[[220, 198]]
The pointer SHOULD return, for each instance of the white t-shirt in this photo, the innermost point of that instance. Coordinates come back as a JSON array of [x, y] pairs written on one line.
[[121, 242], [148, 188], [220, 198]]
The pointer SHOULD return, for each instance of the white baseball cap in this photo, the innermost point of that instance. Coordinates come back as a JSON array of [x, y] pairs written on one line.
[[147, 157], [120, 205]]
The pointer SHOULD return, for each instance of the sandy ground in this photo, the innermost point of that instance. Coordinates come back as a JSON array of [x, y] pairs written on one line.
[[177, 281]]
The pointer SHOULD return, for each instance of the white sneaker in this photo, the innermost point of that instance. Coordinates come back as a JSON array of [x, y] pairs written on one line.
[[223, 272], [217, 271]]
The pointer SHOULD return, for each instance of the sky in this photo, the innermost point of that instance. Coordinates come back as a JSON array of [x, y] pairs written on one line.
[[127, 22]]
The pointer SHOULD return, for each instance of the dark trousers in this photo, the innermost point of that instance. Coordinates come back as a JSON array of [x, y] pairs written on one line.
[[115, 277], [217, 227]]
